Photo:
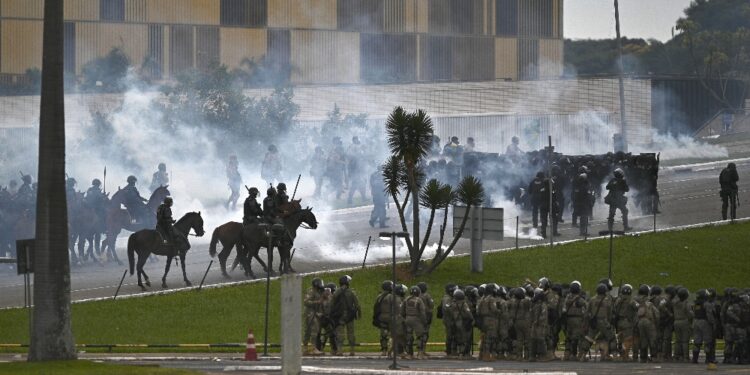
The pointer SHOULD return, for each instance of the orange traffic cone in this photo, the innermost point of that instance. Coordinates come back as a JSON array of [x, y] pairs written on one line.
[[250, 353]]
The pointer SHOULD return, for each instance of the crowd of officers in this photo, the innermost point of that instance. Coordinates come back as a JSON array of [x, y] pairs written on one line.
[[526, 322]]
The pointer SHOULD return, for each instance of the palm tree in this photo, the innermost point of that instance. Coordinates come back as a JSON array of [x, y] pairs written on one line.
[[409, 139], [470, 193], [52, 336]]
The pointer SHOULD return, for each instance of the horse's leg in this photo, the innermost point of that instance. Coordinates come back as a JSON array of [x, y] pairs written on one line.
[[243, 255], [270, 261], [82, 248], [96, 239], [166, 271], [223, 255], [142, 258], [184, 274]]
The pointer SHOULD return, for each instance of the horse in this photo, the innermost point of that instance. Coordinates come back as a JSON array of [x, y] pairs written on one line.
[[230, 235], [148, 241], [254, 236], [118, 218]]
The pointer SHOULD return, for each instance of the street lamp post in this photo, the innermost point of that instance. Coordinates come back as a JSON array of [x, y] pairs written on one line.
[[392, 236], [269, 234]]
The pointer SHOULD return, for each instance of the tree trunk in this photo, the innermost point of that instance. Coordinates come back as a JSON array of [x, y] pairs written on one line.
[[52, 336], [414, 253]]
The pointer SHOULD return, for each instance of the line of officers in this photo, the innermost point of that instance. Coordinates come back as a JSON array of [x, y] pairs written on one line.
[[524, 323]]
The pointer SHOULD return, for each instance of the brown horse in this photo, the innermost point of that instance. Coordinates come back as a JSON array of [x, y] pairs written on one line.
[[230, 235], [148, 241], [249, 239], [119, 218]]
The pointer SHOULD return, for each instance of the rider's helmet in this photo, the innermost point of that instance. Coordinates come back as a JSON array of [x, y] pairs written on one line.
[[162, 167], [132, 179], [281, 186], [96, 182], [168, 200], [271, 191]]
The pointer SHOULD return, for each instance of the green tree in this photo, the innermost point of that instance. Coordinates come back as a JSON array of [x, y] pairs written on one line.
[[52, 335], [409, 137], [107, 73]]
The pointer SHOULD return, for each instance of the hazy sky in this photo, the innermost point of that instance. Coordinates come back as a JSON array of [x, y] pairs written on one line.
[[595, 19]]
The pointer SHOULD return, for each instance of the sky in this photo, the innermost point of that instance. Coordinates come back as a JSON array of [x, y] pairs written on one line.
[[648, 19]]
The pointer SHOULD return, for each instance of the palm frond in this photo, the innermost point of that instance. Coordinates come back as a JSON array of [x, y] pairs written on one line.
[[394, 175], [470, 191]]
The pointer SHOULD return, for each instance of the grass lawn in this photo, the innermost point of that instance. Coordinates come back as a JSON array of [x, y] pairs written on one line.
[[707, 257], [84, 367]]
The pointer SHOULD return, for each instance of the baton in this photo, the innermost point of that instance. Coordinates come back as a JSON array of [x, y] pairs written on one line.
[[295, 186], [104, 190]]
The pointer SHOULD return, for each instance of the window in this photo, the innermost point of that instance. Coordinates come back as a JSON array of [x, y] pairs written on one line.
[[112, 10], [181, 49], [388, 58], [360, 15], [506, 17], [69, 47], [249, 13], [155, 55], [207, 47]]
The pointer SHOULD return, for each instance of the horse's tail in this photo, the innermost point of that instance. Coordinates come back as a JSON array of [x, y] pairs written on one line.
[[131, 253], [214, 240]]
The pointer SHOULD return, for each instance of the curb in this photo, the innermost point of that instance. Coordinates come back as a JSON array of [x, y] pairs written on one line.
[[358, 371]]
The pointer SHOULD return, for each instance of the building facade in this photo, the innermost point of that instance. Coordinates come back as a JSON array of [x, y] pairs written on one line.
[[319, 41]]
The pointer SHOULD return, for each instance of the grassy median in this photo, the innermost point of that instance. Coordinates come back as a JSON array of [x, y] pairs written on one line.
[[714, 256]]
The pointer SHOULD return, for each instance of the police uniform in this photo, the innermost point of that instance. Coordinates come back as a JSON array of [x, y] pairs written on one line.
[[683, 316], [415, 319], [252, 211], [313, 311], [346, 300]]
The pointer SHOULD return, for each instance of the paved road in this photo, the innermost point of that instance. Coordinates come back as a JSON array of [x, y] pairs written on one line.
[[689, 195], [231, 364]]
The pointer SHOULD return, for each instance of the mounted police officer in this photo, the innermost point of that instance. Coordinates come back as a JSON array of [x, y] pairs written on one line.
[[252, 210], [159, 178], [728, 180], [270, 209], [282, 197], [133, 199], [616, 199], [70, 190], [97, 200], [164, 221]]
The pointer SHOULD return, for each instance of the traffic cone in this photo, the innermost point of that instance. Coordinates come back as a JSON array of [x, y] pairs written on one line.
[[250, 353]]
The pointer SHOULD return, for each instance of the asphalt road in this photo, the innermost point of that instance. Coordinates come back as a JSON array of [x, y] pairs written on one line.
[[689, 195], [231, 364]]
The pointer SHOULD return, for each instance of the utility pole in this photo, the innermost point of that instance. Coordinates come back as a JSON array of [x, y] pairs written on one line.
[[623, 131]]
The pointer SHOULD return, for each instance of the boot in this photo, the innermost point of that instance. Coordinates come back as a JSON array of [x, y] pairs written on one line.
[[625, 225]]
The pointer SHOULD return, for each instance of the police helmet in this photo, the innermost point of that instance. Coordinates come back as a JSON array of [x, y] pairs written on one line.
[[514, 139], [471, 291], [575, 287], [557, 288], [583, 177], [459, 295], [387, 285], [422, 286], [162, 167], [415, 291], [701, 294], [490, 289], [529, 290], [644, 290], [331, 286], [540, 174], [345, 280], [626, 289], [601, 289], [502, 291], [670, 290], [583, 169], [607, 282], [26, 178], [711, 293], [683, 294], [272, 148], [168, 200], [538, 294], [619, 173], [450, 288], [401, 290], [454, 140], [96, 182], [544, 283], [281, 186], [656, 290], [482, 289], [132, 179], [317, 283], [253, 191], [519, 293], [271, 191], [732, 166]]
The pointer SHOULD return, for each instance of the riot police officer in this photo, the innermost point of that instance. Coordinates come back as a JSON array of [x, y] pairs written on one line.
[[415, 319], [96, 199], [252, 210], [728, 180], [270, 210], [346, 304], [164, 220], [313, 312], [281, 196], [616, 199], [535, 196]]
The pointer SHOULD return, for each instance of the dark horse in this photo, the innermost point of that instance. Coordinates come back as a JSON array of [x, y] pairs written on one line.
[[119, 218], [148, 241], [249, 239]]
